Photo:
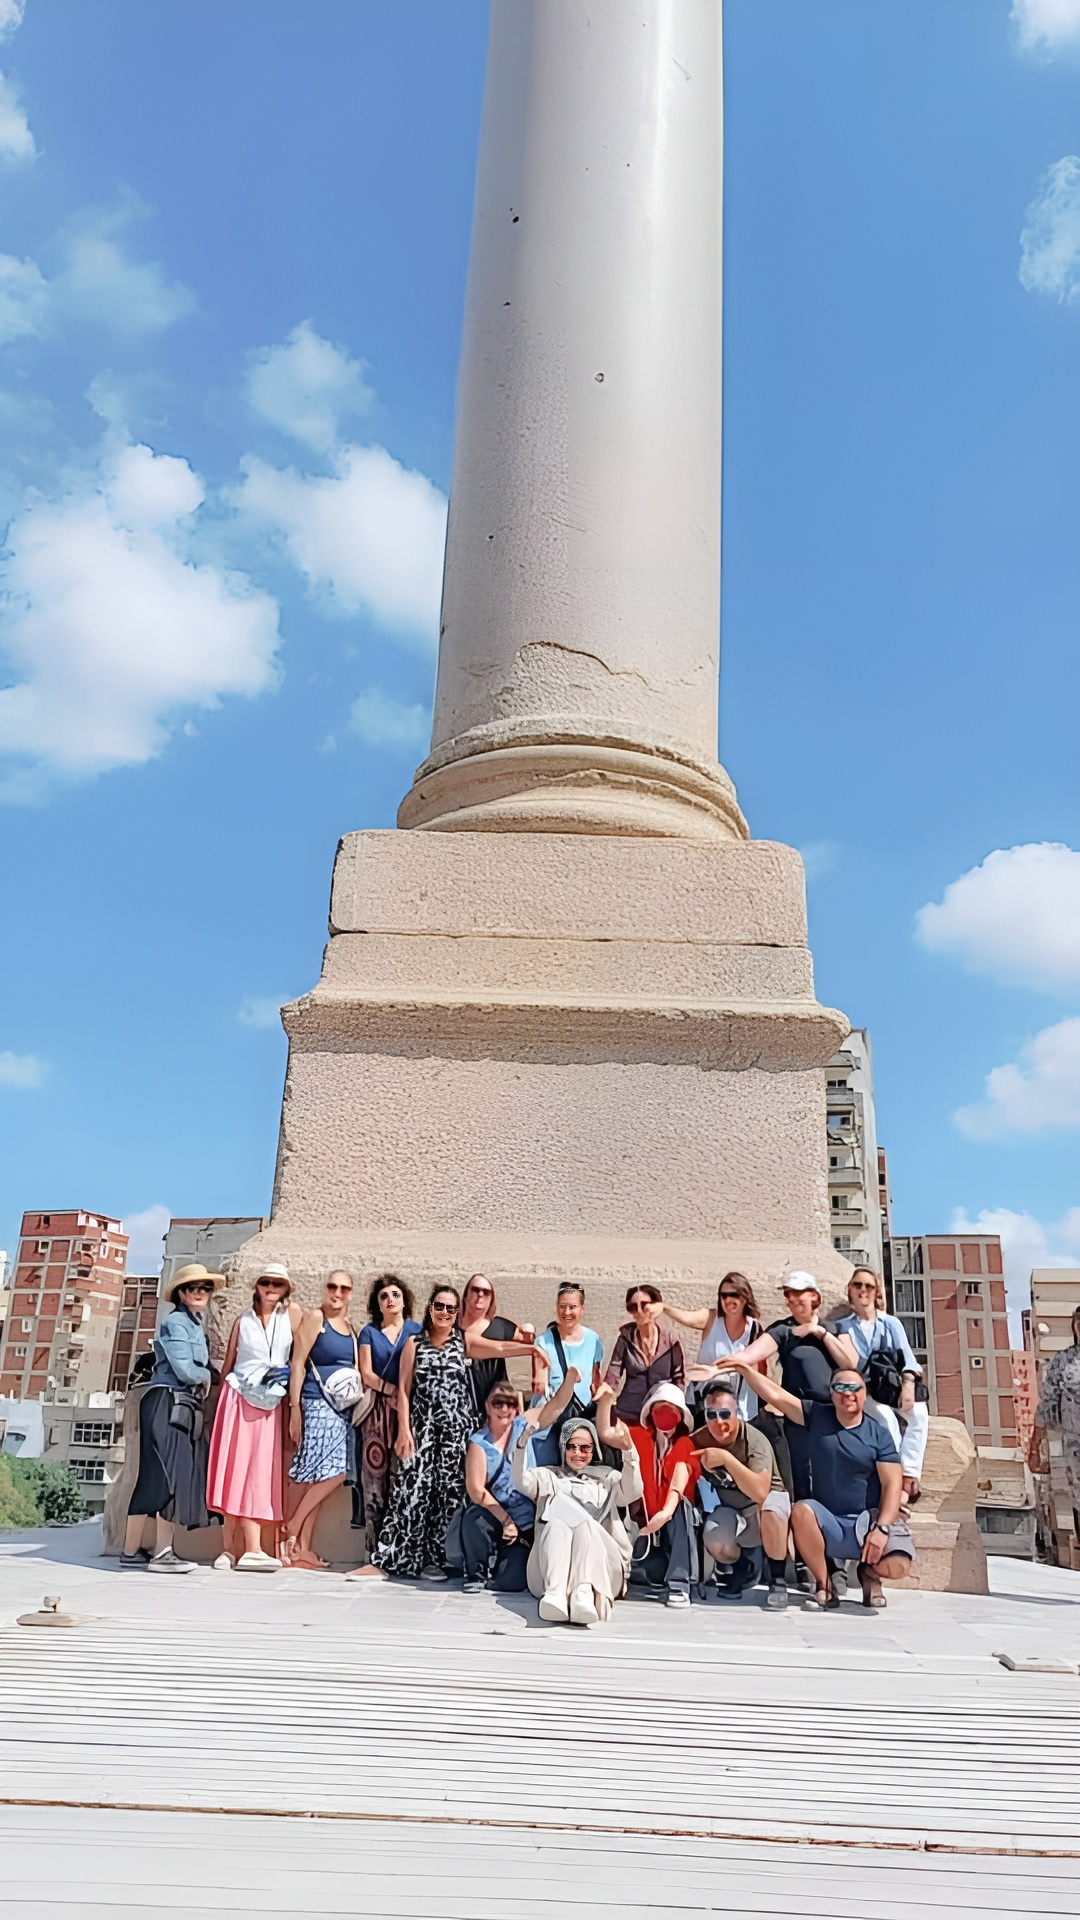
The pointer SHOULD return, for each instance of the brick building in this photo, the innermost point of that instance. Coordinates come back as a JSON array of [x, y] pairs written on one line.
[[65, 1294], [949, 1291], [135, 1326]]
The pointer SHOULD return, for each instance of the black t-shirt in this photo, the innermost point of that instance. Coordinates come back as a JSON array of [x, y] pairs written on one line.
[[486, 1372], [843, 1460], [805, 1366]]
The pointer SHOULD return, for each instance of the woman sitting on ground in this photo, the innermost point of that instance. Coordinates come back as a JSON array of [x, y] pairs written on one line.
[[324, 1436], [644, 1354], [580, 1559], [669, 1471], [246, 1465], [435, 1418], [497, 1520]]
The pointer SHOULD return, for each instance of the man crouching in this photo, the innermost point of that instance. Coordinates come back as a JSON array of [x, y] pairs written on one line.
[[738, 1464]]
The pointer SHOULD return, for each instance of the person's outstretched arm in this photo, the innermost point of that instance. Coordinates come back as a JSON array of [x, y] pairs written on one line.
[[766, 1389]]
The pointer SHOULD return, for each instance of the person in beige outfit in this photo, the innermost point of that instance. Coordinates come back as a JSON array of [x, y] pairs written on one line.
[[580, 1559]]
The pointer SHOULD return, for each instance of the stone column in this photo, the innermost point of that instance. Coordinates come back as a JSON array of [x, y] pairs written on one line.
[[578, 654]]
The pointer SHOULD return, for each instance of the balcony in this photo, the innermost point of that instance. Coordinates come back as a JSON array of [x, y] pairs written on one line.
[[843, 1219]]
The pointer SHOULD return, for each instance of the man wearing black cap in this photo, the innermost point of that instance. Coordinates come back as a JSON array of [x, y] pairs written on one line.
[[857, 1477]]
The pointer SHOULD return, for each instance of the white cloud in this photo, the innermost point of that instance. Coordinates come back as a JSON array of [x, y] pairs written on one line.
[[1050, 241], [1025, 1243], [112, 628], [820, 857], [1043, 25], [22, 1070], [306, 386], [1016, 917], [258, 1011], [24, 297], [146, 1231], [1041, 1090], [368, 538], [385, 722], [99, 282], [11, 16], [16, 139]]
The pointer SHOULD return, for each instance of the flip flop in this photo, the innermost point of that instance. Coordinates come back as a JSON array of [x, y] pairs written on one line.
[[824, 1599]]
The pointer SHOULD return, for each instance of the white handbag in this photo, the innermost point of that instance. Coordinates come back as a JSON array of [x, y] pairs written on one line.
[[344, 1388]]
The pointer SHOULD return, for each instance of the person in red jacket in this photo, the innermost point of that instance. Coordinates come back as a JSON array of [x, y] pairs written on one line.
[[669, 1472]]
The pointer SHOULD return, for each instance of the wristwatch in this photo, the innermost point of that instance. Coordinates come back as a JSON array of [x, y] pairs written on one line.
[[878, 1528]]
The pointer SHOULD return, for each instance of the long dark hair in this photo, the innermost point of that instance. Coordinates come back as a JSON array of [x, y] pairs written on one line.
[[444, 1286], [738, 1283], [374, 1311]]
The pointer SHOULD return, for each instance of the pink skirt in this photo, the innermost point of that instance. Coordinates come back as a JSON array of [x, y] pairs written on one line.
[[244, 1470]]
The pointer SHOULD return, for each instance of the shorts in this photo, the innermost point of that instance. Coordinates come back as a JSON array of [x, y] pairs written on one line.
[[844, 1533], [729, 1529]]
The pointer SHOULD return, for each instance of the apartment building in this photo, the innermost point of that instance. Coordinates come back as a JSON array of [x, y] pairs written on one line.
[[851, 1134], [135, 1326], [65, 1293], [83, 1430], [949, 1291], [1055, 1296]]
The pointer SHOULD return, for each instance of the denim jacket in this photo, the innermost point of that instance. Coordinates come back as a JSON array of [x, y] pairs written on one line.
[[182, 1352]]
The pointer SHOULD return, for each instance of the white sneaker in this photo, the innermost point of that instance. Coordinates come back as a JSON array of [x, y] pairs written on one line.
[[583, 1607], [258, 1562], [224, 1563], [677, 1598], [553, 1607]]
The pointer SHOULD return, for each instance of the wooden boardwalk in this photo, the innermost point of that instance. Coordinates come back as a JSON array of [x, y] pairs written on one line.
[[302, 1743]]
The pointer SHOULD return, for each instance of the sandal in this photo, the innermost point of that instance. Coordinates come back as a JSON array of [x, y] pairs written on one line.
[[824, 1599], [870, 1582]]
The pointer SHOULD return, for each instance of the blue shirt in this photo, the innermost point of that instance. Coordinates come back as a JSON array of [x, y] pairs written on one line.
[[500, 1483], [183, 1357], [885, 1330], [386, 1358], [583, 1353], [843, 1460]]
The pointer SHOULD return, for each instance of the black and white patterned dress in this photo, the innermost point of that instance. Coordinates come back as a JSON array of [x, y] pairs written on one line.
[[426, 1490]]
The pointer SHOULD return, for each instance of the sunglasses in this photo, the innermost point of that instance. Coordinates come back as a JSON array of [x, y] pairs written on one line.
[[509, 1406], [847, 1386], [578, 1446], [717, 1418], [444, 1306], [335, 1287], [862, 1286], [733, 1296]]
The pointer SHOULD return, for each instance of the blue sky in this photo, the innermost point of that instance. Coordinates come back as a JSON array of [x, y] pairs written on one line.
[[232, 256]]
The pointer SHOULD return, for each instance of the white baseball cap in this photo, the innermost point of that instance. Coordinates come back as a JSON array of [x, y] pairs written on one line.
[[799, 1282]]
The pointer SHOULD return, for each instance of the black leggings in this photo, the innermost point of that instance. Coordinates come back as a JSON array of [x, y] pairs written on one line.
[[481, 1536]]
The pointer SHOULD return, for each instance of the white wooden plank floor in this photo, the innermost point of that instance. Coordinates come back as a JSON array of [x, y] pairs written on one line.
[[453, 1757]]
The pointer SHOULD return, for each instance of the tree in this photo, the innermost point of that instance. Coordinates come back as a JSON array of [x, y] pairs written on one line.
[[53, 1488], [18, 1507]]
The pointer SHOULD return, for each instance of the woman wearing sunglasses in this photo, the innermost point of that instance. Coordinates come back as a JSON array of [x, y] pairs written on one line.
[[872, 1331], [490, 1339], [435, 1417], [380, 1348], [324, 1437], [727, 1328], [580, 1559], [645, 1354]]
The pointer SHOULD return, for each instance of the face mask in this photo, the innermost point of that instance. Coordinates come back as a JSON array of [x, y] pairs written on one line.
[[665, 1418]]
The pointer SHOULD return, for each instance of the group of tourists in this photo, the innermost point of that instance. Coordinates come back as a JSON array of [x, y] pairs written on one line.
[[705, 1478]]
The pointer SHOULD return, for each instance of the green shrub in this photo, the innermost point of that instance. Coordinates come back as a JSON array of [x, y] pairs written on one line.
[[54, 1490], [18, 1507]]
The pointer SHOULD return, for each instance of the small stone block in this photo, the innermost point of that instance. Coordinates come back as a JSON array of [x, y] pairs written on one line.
[[1035, 1663]]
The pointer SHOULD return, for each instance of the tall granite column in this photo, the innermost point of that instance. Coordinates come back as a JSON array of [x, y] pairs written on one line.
[[578, 668], [569, 1027]]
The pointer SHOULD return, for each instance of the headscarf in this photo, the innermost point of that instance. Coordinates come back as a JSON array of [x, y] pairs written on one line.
[[566, 1432]]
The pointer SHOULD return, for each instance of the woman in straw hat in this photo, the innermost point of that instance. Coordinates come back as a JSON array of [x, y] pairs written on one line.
[[245, 1469], [171, 1485]]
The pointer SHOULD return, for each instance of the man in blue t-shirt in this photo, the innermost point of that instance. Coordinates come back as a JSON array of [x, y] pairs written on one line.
[[857, 1484]]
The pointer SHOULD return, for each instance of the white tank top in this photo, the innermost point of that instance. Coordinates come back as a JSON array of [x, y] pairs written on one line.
[[716, 1344], [270, 1345]]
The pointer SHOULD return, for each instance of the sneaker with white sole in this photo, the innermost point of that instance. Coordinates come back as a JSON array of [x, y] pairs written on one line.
[[553, 1607], [169, 1562], [258, 1562], [583, 1607], [777, 1597], [473, 1583], [433, 1575], [135, 1562], [224, 1563], [677, 1598]]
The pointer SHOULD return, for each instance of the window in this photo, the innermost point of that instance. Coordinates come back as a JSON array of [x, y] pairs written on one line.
[[19, 1353], [977, 1360], [27, 1327], [42, 1246], [92, 1433], [837, 1086], [834, 1159], [88, 1470], [973, 1290], [908, 1296]]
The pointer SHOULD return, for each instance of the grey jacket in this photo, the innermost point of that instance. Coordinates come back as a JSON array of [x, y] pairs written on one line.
[[182, 1353]]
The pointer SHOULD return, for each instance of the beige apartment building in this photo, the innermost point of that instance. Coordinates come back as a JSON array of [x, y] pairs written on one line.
[[852, 1153], [1055, 1296]]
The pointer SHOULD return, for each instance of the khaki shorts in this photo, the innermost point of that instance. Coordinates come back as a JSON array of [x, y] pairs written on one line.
[[729, 1529]]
